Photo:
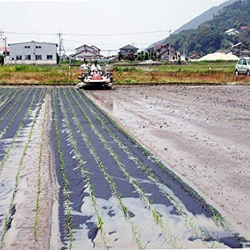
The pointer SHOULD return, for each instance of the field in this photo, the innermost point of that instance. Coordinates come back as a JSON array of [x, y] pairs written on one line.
[[71, 177], [217, 72]]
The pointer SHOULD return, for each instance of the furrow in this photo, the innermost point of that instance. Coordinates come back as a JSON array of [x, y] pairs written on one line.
[[156, 176], [11, 208], [155, 214], [108, 178], [9, 101], [89, 186], [189, 218], [39, 177], [4, 93], [65, 187], [15, 115], [6, 155], [6, 97], [124, 173]]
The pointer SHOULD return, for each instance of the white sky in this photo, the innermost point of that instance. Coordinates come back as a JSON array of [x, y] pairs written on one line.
[[108, 24]]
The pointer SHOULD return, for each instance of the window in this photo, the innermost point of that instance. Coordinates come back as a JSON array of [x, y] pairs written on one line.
[[27, 47], [49, 57], [240, 62], [38, 57], [27, 57], [38, 47], [18, 57]]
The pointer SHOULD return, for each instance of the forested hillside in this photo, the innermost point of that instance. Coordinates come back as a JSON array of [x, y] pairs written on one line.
[[210, 36], [206, 16]]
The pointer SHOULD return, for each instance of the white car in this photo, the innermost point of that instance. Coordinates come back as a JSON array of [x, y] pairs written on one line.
[[243, 66]]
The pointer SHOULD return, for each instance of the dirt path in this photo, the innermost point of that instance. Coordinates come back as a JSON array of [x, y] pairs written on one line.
[[202, 133]]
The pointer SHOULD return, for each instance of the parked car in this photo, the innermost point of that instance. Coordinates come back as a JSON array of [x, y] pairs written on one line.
[[243, 66]]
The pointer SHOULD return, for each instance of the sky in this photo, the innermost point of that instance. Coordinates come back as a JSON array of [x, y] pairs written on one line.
[[107, 24]]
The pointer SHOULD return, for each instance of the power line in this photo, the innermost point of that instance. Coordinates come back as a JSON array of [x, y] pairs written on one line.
[[118, 34], [89, 34], [31, 33], [112, 44]]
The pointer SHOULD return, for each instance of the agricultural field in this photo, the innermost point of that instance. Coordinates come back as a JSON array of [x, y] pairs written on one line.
[[217, 72], [71, 177]]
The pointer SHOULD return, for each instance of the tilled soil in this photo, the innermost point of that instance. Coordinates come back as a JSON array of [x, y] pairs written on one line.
[[71, 177], [201, 132]]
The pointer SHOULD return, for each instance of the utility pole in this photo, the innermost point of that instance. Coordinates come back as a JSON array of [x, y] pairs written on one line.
[[1, 38], [5, 47], [170, 31], [61, 48], [1, 34], [3, 44]]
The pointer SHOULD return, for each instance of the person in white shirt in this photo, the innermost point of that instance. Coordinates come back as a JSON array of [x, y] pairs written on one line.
[[84, 65], [95, 67]]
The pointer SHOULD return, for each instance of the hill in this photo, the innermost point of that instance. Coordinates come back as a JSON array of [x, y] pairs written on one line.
[[197, 21], [210, 36], [206, 16]]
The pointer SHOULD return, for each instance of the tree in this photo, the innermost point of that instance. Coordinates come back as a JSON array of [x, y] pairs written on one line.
[[1, 60], [139, 57]]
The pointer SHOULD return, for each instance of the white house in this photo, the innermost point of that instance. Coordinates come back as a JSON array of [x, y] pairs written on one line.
[[33, 53], [87, 52], [232, 32]]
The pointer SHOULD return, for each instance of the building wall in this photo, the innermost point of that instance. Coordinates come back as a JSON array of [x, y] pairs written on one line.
[[87, 52], [33, 53], [87, 55]]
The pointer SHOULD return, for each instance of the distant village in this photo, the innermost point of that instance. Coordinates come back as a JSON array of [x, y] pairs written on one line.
[[46, 53]]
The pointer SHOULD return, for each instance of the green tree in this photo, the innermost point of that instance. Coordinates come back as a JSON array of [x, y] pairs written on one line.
[[1, 60]]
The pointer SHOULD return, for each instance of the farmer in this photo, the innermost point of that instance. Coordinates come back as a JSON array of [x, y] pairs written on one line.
[[85, 64], [95, 67]]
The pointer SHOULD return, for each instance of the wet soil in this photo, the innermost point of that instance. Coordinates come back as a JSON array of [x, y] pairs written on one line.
[[200, 132], [71, 177], [116, 186]]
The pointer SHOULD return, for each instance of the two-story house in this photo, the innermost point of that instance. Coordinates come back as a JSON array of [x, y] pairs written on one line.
[[33, 53], [166, 52], [241, 50], [128, 52], [87, 52]]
